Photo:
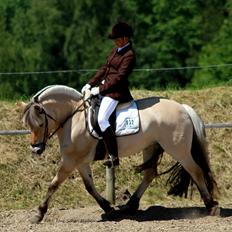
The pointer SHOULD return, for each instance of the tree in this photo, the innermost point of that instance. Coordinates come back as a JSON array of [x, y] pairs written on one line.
[[217, 52], [170, 37], [72, 34]]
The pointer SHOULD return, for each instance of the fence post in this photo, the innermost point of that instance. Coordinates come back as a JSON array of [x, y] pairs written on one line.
[[110, 184]]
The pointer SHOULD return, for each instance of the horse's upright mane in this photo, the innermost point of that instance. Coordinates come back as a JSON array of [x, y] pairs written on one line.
[[52, 90]]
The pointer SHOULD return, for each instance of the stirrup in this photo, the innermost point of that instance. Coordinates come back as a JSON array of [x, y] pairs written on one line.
[[112, 161]]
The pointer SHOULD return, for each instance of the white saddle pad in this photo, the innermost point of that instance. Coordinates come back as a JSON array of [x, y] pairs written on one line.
[[127, 120]]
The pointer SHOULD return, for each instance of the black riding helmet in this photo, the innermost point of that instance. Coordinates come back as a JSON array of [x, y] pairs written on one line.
[[121, 29]]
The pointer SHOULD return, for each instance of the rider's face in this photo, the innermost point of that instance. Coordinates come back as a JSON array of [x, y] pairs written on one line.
[[120, 42]]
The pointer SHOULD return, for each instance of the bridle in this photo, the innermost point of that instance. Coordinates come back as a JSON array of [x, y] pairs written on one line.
[[47, 136]]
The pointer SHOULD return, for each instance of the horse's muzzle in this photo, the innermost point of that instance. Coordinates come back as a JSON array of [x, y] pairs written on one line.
[[38, 148]]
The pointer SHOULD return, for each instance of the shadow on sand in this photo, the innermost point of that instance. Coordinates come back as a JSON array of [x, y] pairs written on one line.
[[159, 213]]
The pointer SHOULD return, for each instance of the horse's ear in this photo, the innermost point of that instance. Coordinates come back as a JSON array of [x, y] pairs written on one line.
[[38, 108]]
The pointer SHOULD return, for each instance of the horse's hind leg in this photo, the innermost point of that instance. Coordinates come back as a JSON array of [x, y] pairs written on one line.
[[198, 176], [63, 172], [151, 153]]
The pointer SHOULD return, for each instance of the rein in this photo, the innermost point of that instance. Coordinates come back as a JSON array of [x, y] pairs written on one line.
[[67, 118]]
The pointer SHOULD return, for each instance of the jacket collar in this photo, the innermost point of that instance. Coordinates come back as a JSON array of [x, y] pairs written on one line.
[[125, 49]]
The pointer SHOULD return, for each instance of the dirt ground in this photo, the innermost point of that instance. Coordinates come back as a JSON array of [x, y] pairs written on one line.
[[153, 218]]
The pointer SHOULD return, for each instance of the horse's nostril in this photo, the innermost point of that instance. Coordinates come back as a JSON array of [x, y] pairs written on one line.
[[37, 148], [40, 151]]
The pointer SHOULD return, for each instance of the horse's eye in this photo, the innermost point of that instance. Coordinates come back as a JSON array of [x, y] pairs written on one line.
[[41, 125]]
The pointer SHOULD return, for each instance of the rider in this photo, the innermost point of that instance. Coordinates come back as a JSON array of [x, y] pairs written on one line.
[[111, 81]]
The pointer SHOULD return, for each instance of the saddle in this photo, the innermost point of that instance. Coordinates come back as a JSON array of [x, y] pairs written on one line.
[[124, 120]]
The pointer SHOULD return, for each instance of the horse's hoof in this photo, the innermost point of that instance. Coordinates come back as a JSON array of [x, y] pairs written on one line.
[[110, 215], [110, 211], [126, 209], [36, 219], [215, 211]]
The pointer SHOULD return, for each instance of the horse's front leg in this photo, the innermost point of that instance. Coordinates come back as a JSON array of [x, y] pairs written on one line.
[[86, 175], [63, 172], [133, 203]]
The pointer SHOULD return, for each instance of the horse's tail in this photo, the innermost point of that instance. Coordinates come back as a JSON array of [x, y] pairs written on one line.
[[180, 179]]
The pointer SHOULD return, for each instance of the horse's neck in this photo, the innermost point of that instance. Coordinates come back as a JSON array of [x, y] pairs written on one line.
[[60, 109]]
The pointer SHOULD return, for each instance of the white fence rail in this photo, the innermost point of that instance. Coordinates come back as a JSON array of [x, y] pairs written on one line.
[[218, 125], [14, 132]]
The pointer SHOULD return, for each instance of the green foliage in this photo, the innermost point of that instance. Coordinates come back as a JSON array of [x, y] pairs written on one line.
[[172, 38], [72, 34], [217, 52]]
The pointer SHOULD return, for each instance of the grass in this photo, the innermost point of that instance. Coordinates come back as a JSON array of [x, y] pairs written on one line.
[[24, 180]]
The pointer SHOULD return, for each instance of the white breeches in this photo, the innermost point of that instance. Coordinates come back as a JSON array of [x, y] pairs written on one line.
[[107, 107]]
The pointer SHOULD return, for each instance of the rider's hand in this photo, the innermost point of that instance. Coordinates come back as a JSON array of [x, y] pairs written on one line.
[[85, 88], [95, 91]]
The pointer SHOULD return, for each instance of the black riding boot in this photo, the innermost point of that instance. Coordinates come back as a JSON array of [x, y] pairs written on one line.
[[111, 146]]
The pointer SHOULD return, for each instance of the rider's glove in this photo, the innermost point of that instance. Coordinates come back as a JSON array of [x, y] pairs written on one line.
[[85, 88], [95, 91]]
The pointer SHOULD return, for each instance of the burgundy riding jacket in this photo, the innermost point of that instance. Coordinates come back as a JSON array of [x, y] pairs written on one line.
[[112, 77]]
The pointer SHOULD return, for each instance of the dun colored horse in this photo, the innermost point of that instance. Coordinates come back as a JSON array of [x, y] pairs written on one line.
[[165, 126]]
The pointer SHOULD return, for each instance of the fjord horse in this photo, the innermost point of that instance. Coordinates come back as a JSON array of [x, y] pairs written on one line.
[[165, 126]]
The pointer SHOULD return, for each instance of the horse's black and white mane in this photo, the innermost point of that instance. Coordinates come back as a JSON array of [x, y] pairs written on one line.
[[56, 90]]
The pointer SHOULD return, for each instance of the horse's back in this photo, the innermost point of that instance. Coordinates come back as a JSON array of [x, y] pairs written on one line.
[[144, 103], [159, 105]]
